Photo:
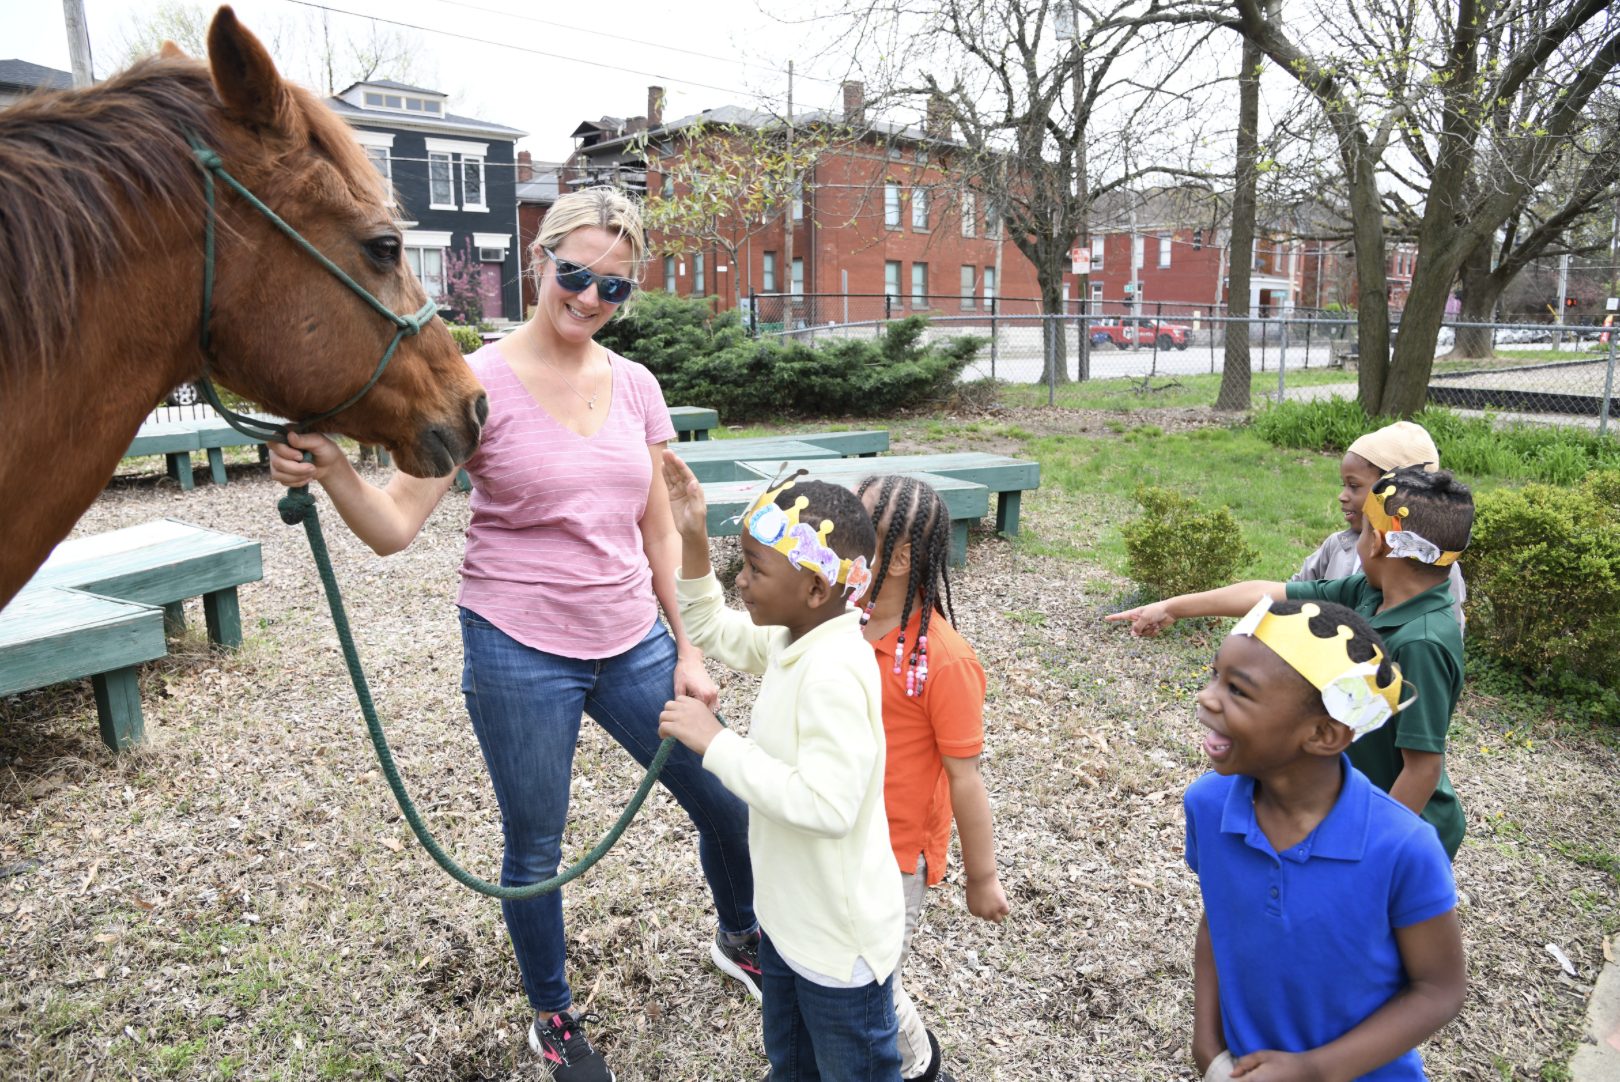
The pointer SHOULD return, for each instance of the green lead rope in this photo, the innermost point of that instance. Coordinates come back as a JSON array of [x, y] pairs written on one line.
[[299, 506]]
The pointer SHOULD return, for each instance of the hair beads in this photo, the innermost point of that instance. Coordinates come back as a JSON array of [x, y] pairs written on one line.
[[916, 512]]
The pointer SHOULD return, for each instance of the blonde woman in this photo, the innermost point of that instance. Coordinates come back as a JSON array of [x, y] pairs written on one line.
[[571, 554]]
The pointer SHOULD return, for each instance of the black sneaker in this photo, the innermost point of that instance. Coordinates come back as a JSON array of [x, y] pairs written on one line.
[[936, 1072], [560, 1042], [738, 957]]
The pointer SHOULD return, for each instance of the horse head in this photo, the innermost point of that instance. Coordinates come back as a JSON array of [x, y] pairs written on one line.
[[285, 332]]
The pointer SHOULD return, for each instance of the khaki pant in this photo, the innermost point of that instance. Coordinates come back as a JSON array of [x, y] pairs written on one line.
[[914, 1053]]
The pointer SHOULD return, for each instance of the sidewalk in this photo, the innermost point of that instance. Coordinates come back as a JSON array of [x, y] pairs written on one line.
[[1598, 1058], [1348, 390]]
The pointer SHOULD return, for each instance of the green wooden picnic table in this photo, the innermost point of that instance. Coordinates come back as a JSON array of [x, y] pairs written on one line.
[[716, 460], [693, 423], [1007, 477], [966, 501]]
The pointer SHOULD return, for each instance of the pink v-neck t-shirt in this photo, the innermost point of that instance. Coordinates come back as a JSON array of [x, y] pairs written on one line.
[[554, 551]]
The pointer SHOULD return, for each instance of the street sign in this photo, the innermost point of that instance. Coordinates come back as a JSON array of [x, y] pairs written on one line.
[[1080, 260]]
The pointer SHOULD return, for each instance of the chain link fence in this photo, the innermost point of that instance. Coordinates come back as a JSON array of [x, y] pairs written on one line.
[[1062, 360]]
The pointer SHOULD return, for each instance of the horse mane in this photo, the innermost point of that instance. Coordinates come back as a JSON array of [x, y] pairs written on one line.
[[86, 174], [83, 174]]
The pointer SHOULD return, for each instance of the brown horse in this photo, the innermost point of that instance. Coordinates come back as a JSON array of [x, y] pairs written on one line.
[[101, 229]]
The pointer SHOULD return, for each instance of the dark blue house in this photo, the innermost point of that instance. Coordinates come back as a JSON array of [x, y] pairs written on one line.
[[456, 182]]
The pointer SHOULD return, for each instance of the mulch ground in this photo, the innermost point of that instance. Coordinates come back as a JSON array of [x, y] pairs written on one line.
[[240, 897]]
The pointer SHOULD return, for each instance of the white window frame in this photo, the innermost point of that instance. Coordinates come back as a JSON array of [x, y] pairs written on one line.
[[699, 277], [669, 274], [919, 210], [768, 273], [798, 201], [468, 161], [992, 218], [417, 256], [919, 285], [891, 206], [449, 165], [1099, 245], [988, 277], [970, 214], [891, 281], [1164, 251], [969, 286], [796, 282]]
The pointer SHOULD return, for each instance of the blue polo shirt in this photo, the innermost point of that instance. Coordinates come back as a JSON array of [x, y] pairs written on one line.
[[1304, 940]]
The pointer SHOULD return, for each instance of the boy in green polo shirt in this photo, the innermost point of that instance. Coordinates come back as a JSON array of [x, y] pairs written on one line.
[[1415, 525]]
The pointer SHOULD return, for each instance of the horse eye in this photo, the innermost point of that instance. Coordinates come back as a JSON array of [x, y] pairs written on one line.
[[384, 250]]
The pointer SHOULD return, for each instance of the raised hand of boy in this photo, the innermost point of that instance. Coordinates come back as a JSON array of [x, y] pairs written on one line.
[[686, 500], [690, 722]]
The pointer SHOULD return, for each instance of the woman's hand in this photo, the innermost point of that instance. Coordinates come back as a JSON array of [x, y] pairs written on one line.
[[1146, 620], [692, 679], [287, 465], [686, 502]]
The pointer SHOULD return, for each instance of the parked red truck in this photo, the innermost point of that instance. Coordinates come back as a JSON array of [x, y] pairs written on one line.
[[1140, 331]]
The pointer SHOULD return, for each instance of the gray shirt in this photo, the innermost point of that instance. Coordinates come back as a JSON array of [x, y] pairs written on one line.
[[1337, 559]]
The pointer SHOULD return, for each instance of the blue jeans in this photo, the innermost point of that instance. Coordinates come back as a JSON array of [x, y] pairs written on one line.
[[837, 1034], [525, 706]]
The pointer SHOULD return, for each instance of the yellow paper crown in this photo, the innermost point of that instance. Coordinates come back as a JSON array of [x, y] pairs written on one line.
[[779, 528], [1403, 543], [1350, 689]]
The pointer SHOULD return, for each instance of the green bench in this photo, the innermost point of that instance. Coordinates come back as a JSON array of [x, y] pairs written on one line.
[[49, 634], [693, 422], [965, 501], [175, 441], [1007, 477], [862, 444], [162, 563], [716, 460], [216, 434]]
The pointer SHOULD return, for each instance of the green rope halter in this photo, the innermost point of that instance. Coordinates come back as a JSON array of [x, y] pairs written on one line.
[[299, 506]]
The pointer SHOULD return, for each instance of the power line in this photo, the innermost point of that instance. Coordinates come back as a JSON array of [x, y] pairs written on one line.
[[661, 77], [631, 40]]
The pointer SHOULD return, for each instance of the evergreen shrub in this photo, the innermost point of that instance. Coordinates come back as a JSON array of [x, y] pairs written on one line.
[[1177, 547], [1544, 584], [704, 358]]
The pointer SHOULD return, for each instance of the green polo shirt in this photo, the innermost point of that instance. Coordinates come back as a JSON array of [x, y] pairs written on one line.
[[1423, 637]]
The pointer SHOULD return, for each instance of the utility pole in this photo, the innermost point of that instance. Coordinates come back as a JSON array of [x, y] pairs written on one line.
[[78, 35], [1563, 292], [794, 195]]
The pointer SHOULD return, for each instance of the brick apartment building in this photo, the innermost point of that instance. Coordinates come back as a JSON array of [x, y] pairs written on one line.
[[886, 219]]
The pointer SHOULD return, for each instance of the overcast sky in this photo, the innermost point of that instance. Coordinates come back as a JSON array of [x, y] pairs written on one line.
[[500, 62]]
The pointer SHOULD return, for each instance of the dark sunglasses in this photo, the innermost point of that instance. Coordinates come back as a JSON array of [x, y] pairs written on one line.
[[577, 279]]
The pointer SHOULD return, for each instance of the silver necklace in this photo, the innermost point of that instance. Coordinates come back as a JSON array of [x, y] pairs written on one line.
[[590, 403]]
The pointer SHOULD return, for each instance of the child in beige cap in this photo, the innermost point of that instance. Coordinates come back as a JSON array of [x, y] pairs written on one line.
[[1392, 447]]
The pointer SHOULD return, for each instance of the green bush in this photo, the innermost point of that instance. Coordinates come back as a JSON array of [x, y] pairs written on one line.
[[466, 337], [704, 358], [1544, 583], [1178, 547], [1470, 447]]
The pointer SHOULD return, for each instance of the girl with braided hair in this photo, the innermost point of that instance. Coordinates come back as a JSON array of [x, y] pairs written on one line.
[[933, 721]]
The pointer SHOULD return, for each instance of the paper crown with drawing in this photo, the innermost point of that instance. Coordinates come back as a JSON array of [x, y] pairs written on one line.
[[1350, 689], [1403, 543], [805, 548]]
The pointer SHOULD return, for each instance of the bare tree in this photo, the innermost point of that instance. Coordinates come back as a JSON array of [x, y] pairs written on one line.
[[1424, 78]]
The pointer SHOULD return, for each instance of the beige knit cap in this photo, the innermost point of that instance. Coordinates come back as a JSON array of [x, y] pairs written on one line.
[[1395, 446]]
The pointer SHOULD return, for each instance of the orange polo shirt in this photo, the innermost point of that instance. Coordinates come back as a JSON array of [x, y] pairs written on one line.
[[947, 718]]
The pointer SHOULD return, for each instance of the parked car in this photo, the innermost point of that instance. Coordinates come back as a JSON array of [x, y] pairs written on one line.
[[1141, 331]]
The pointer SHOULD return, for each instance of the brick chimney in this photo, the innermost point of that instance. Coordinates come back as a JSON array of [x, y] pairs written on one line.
[[525, 167], [938, 124], [635, 125], [655, 106], [854, 103]]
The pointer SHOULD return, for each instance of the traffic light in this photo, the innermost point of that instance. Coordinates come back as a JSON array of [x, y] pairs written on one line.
[[1198, 239], [1570, 302]]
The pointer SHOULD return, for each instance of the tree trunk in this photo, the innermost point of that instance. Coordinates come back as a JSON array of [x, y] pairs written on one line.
[[1236, 370], [1480, 292], [1054, 345], [1372, 296], [1408, 387]]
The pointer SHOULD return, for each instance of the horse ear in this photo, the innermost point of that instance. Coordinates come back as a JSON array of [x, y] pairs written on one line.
[[170, 51], [244, 74]]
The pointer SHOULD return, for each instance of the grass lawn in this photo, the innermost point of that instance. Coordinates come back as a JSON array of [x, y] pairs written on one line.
[[1165, 392]]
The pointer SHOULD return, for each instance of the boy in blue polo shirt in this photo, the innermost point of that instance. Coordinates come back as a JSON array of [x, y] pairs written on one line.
[[1329, 946]]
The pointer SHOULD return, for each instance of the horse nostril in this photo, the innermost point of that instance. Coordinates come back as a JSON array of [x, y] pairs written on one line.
[[481, 409]]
